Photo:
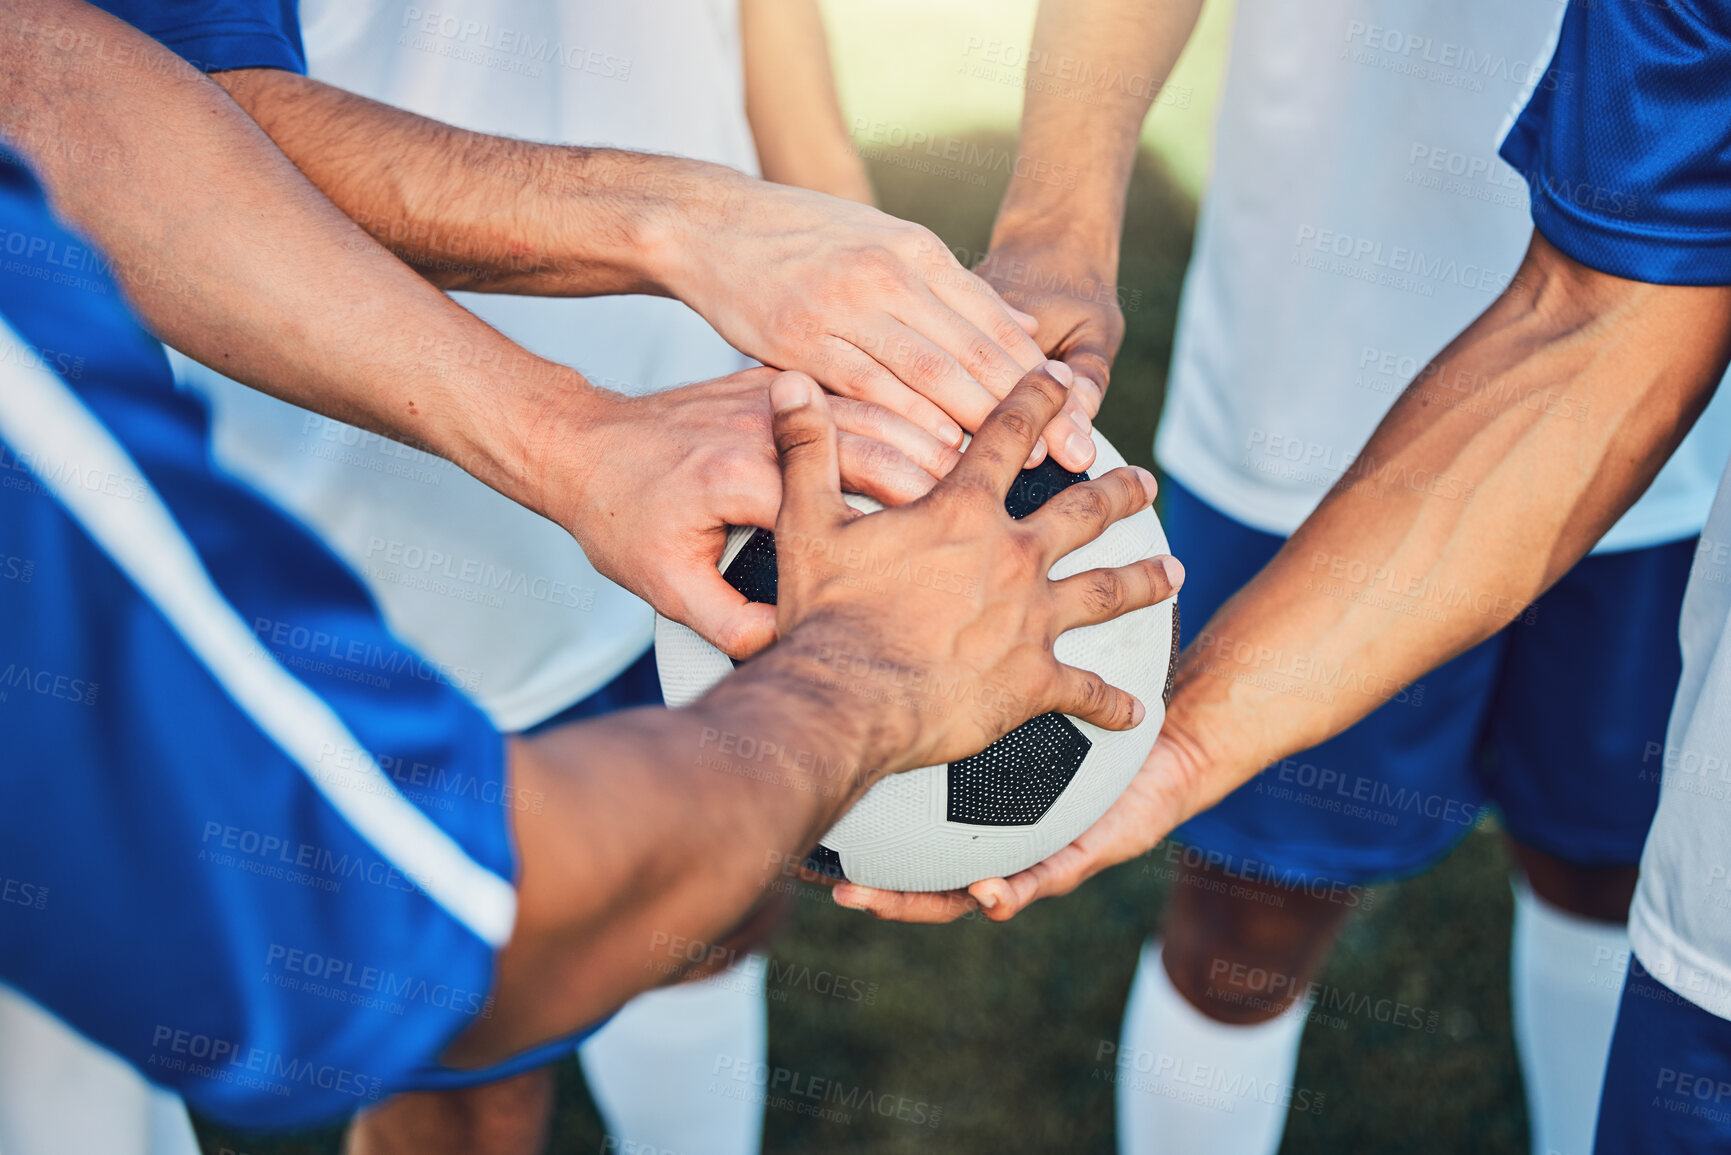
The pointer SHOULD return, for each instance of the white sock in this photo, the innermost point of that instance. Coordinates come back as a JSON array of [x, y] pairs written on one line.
[[61, 1094], [653, 1069], [1186, 1083], [1567, 978]]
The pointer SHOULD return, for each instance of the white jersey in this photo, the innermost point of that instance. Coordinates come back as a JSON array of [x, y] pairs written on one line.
[[1680, 924], [1358, 219], [502, 601]]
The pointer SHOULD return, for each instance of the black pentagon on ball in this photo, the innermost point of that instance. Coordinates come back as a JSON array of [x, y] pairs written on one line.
[[1015, 780]]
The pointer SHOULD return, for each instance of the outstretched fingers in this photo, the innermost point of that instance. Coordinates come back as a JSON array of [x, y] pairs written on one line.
[[1099, 595], [1081, 513], [1086, 695], [1007, 436]]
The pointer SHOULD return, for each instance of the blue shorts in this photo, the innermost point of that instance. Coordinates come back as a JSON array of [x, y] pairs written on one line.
[[1558, 721], [639, 684], [1668, 1078]]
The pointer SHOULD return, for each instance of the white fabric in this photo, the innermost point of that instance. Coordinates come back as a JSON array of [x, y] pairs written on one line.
[[45, 421], [61, 1094], [1186, 1083], [1680, 924], [1333, 260], [654, 1069], [1566, 979], [502, 601]]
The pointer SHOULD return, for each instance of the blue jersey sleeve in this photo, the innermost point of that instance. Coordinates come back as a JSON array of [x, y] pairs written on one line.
[[250, 841], [218, 35], [1628, 154]]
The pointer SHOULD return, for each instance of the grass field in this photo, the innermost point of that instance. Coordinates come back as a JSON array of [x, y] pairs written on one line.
[[996, 1031]]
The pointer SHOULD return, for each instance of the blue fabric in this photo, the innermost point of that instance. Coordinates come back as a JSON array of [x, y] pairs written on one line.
[[1667, 1084], [1627, 145], [217, 35], [1501, 724], [173, 885], [638, 684]]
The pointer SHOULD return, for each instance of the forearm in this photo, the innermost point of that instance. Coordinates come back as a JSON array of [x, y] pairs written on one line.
[[1501, 465], [228, 254], [790, 100], [658, 826], [1095, 68], [486, 213]]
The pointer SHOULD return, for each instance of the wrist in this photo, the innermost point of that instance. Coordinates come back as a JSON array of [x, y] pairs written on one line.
[[1030, 245], [807, 727], [1038, 217], [535, 432], [680, 206]]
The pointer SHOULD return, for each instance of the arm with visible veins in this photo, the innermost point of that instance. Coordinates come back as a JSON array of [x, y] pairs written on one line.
[[1063, 212], [230, 255], [873, 307], [654, 828], [1498, 498]]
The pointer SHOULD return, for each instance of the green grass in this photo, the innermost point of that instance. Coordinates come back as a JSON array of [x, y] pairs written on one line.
[[998, 1028]]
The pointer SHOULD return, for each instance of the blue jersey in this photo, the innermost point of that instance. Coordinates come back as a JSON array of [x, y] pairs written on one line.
[[1628, 153], [248, 840], [217, 35]]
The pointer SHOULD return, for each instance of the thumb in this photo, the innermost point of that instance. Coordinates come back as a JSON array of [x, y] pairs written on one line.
[[722, 617], [805, 440]]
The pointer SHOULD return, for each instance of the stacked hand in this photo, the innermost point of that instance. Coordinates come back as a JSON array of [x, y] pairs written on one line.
[[649, 486], [1073, 300], [947, 590], [871, 307]]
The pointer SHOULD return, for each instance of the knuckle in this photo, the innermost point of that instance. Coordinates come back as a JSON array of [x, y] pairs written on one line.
[[862, 417], [1106, 594], [927, 365], [1090, 505], [973, 495], [1019, 423], [1050, 392], [1008, 335], [980, 358], [1091, 694], [793, 440], [879, 267]]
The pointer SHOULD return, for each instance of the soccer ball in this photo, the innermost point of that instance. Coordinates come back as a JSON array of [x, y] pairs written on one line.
[[1021, 798]]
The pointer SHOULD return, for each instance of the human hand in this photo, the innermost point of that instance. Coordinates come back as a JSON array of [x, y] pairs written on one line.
[[649, 486], [985, 615], [872, 307], [1075, 302], [1157, 800]]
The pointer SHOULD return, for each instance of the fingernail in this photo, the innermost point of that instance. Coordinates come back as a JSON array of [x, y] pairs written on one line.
[[1174, 571], [789, 391], [1037, 454], [1090, 394], [950, 434], [1137, 711], [1080, 420], [1150, 485], [989, 902], [1062, 372], [1080, 448]]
